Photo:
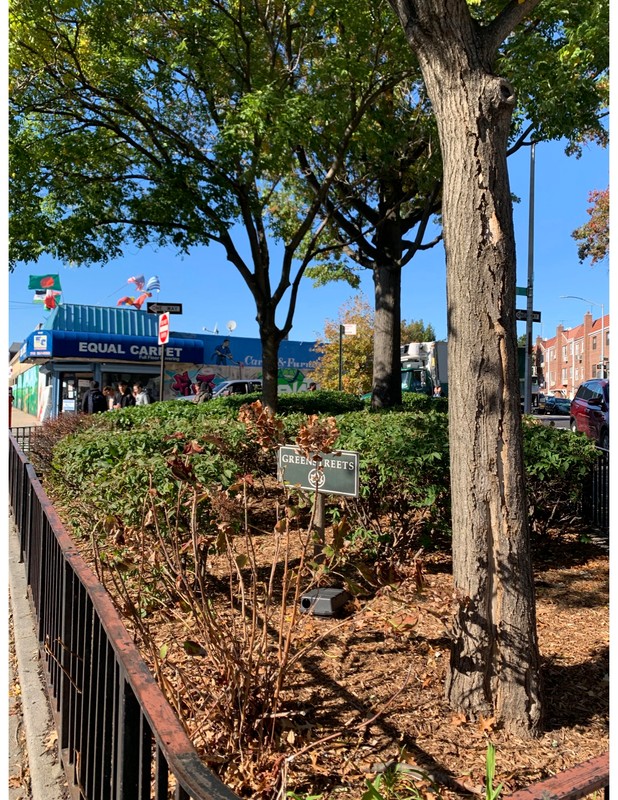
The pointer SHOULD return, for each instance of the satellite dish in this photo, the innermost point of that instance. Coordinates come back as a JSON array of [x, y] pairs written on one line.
[[215, 330], [231, 326]]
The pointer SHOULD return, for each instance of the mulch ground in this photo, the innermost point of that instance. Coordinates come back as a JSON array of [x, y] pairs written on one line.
[[369, 692]]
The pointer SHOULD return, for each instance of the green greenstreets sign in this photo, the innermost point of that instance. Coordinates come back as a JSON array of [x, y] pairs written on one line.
[[331, 473]]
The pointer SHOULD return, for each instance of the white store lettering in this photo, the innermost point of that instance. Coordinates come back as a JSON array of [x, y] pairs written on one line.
[[101, 348]]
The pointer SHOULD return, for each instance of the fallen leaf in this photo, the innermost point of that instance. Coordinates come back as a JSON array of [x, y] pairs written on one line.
[[458, 719], [51, 740], [486, 724]]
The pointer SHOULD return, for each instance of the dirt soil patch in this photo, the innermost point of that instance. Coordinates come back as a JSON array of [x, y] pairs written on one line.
[[369, 694]]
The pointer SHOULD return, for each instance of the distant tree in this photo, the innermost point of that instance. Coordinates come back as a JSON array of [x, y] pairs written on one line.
[[390, 188], [357, 350], [183, 124], [593, 236], [416, 331]]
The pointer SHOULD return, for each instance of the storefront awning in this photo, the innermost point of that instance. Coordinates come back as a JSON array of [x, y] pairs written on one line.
[[43, 345]]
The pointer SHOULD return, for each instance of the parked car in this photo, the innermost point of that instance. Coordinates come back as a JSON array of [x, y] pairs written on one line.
[[557, 405], [237, 387], [590, 411]]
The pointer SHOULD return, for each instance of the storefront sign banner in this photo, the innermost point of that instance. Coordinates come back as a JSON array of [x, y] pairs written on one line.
[[110, 347]]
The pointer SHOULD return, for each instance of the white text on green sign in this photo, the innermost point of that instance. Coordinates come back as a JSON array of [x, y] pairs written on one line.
[[330, 473]]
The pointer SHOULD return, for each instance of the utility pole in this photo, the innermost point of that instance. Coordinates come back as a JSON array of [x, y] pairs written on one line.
[[528, 361]]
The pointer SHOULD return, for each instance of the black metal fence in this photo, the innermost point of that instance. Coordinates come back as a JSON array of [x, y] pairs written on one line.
[[119, 738], [22, 436], [595, 495]]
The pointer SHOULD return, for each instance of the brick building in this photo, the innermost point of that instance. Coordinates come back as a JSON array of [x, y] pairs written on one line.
[[573, 355]]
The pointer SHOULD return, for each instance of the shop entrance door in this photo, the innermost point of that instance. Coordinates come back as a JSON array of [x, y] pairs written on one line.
[[72, 388]]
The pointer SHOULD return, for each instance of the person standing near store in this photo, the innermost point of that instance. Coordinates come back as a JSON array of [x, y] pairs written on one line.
[[124, 396], [141, 395], [94, 401], [204, 392], [109, 394]]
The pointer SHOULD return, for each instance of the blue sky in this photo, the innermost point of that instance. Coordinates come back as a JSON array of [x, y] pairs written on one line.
[[212, 292]]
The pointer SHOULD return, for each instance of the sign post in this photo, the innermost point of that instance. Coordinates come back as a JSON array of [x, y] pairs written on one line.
[[164, 308], [521, 315], [348, 330], [325, 473], [164, 335]]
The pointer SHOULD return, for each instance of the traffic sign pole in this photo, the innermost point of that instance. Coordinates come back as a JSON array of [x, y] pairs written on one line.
[[162, 376], [164, 335]]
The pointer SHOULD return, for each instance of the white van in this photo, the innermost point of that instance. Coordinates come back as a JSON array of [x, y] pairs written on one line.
[[237, 387]]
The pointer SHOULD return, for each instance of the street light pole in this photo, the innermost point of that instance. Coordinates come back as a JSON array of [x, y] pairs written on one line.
[[529, 305], [592, 303]]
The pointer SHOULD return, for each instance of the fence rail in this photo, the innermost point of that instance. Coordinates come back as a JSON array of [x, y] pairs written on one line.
[[119, 738], [595, 497], [22, 436], [572, 784]]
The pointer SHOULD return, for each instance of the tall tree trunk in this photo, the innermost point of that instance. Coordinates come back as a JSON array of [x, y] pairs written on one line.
[[386, 390], [387, 336], [270, 339], [494, 666]]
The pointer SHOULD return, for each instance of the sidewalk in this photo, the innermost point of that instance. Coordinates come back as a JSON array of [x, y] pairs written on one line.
[[35, 771], [20, 419]]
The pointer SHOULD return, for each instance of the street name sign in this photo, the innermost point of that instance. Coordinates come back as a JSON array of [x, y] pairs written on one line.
[[164, 308], [164, 329], [521, 315], [331, 473]]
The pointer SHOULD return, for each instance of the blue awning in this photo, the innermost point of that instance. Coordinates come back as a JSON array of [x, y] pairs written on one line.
[[46, 344]]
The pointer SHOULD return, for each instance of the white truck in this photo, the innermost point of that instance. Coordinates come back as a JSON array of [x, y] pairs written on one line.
[[424, 367]]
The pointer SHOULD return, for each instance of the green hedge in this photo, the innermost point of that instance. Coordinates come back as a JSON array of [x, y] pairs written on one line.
[[404, 462]]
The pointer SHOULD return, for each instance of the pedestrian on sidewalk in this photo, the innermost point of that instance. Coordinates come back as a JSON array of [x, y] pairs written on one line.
[[141, 395], [124, 396], [94, 401]]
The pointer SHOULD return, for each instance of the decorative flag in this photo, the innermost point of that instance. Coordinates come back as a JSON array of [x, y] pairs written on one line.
[[52, 299], [43, 282], [131, 301], [140, 300], [152, 284], [138, 280]]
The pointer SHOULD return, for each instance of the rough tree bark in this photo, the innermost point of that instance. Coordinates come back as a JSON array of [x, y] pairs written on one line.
[[387, 316], [494, 666]]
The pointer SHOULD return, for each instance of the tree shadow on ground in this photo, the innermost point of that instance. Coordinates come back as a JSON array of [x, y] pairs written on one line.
[[576, 693]]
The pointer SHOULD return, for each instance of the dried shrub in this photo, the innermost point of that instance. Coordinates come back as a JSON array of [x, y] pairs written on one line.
[[44, 438]]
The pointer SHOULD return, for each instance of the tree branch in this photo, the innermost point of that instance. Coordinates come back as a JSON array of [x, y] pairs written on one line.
[[505, 23]]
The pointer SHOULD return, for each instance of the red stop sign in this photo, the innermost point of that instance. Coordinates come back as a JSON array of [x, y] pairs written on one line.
[[164, 328]]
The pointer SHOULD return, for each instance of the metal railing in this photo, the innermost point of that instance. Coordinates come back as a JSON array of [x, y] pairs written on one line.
[[595, 497], [572, 784], [22, 436], [118, 736]]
